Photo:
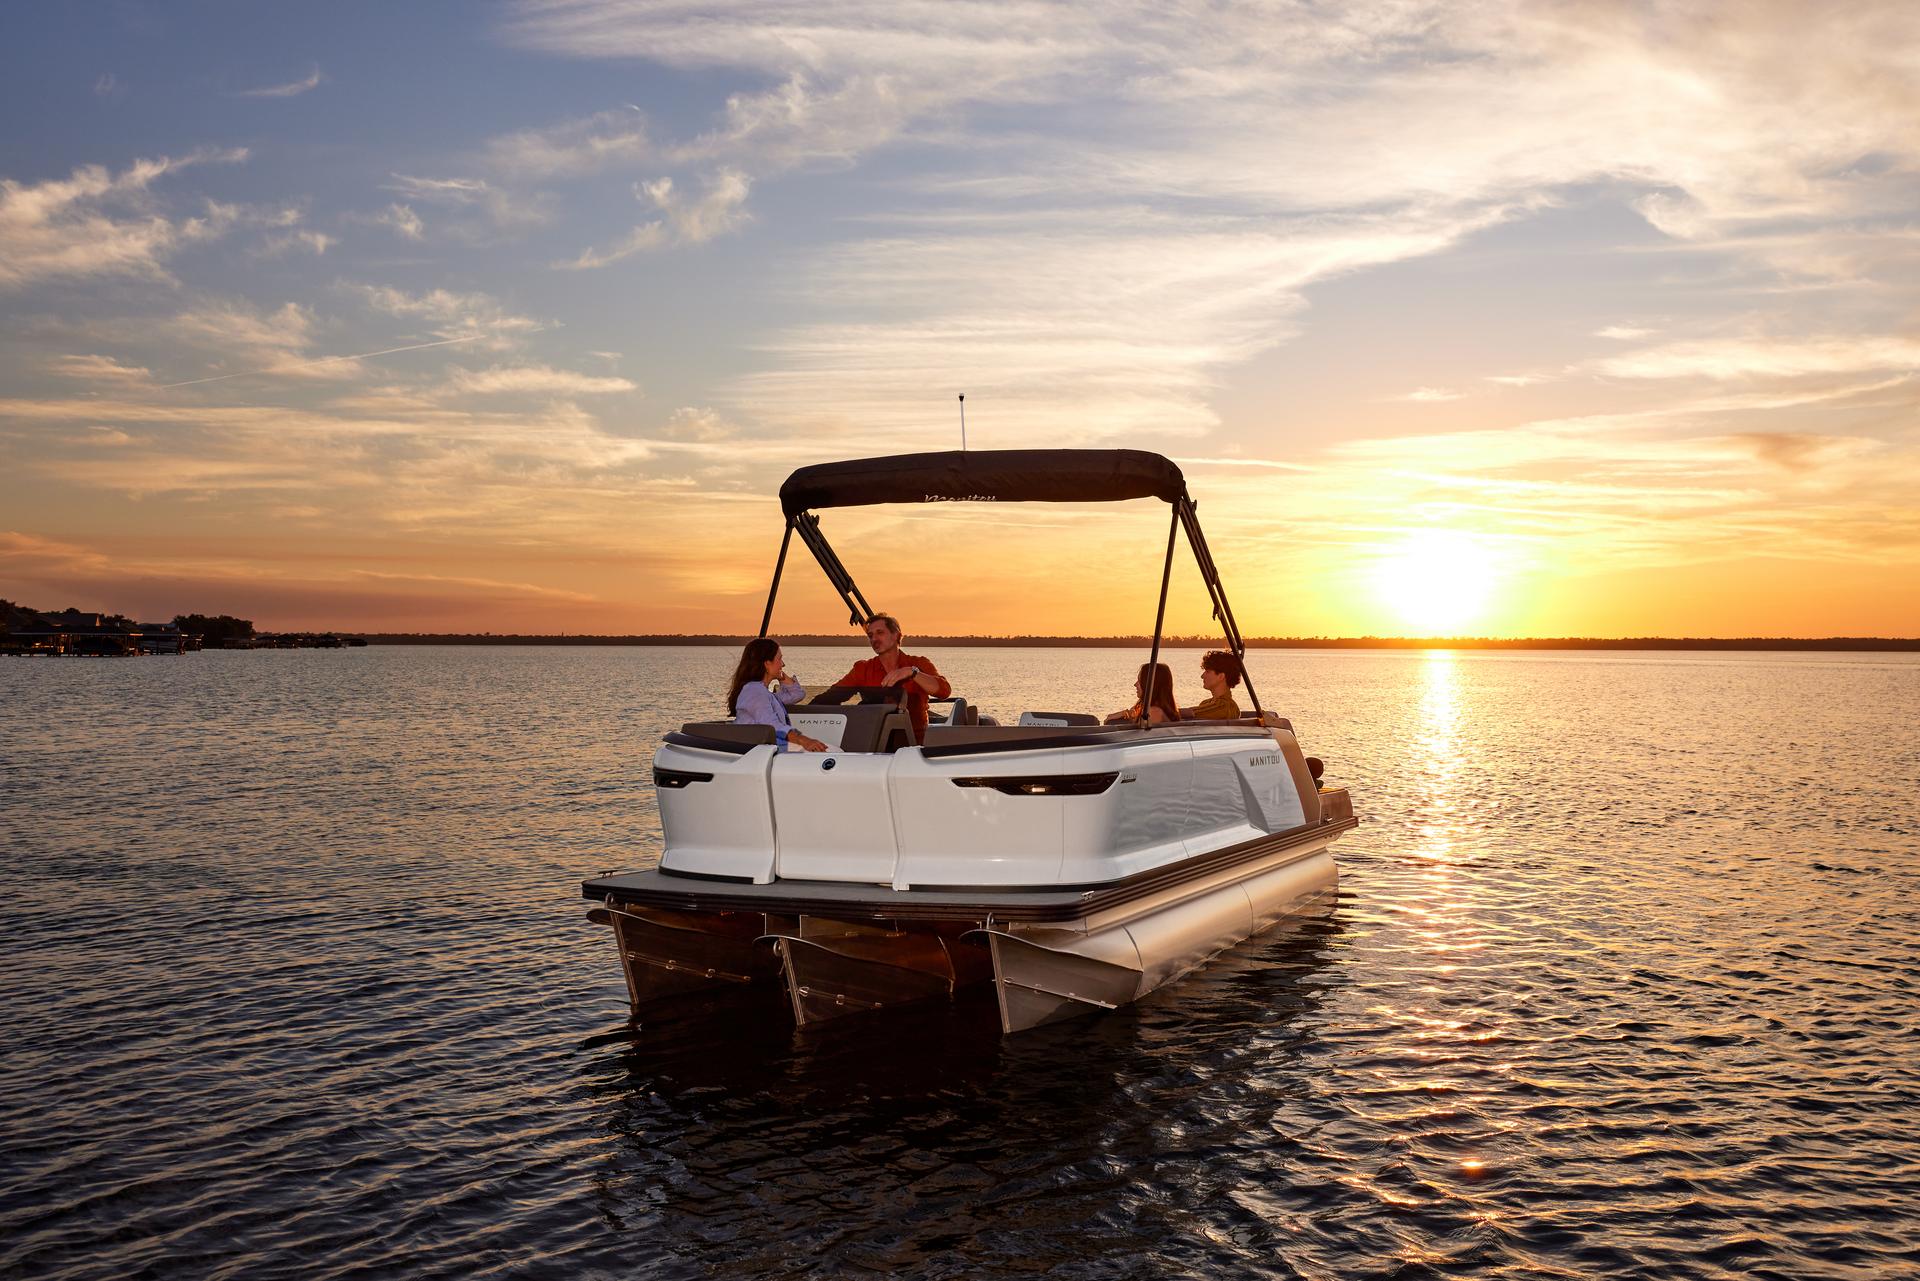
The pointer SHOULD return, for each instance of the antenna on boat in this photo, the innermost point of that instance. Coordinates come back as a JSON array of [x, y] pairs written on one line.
[[963, 422]]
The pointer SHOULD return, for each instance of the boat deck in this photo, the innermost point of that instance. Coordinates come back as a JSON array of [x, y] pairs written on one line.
[[851, 901]]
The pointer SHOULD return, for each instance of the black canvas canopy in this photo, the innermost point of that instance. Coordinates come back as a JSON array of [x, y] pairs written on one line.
[[997, 476], [986, 475]]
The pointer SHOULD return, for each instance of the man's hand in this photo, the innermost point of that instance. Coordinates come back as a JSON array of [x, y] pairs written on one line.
[[796, 739], [897, 675]]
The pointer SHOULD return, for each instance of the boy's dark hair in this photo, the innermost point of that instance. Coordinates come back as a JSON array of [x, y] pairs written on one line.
[[1220, 660]]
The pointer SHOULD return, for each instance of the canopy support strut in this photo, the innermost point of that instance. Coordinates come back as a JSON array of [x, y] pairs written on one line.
[[1187, 515], [857, 608], [1159, 619], [778, 565]]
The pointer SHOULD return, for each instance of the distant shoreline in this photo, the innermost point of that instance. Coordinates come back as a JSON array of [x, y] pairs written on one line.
[[1831, 644]]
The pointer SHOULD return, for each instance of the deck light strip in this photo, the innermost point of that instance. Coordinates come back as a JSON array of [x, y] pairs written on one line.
[[1045, 784]]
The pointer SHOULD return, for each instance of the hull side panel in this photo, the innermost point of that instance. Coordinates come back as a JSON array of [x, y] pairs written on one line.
[[1047, 975], [666, 953], [828, 978]]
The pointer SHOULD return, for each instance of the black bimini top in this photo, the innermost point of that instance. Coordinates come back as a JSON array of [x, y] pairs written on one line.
[[986, 476]]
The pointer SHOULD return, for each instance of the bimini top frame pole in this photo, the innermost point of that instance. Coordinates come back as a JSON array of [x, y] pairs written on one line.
[[773, 588], [1189, 517], [999, 476], [809, 526], [858, 610]]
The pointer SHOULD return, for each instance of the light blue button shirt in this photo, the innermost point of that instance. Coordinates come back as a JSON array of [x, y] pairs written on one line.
[[758, 705]]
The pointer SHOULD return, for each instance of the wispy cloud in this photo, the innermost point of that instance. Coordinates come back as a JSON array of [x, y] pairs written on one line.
[[291, 89], [451, 314], [236, 331], [683, 221], [460, 190], [1087, 334], [1725, 359], [222, 338], [1654, 489], [472, 207], [491, 586], [314, 242], [404, 221], [97, 368], [98, 223], [318, 366], [572, 148], [543, 380]]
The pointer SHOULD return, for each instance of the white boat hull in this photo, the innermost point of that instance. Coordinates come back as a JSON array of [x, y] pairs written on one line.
[[842, 949]]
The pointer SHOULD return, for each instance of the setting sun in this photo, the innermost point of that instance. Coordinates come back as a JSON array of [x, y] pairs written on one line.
[[1437, 580]]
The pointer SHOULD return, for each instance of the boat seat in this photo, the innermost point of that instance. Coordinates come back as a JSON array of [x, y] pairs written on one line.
[[957, 712], [1058, 718], [865, 727], [729, 732]]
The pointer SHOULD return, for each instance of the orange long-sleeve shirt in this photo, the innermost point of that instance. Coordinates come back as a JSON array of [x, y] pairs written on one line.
[[871, 671]]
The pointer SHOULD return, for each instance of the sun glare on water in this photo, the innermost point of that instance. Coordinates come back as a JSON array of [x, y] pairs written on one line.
[[1438, 581]]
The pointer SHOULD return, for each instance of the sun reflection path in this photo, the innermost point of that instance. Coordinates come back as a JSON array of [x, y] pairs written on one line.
[[1439, 748], [1434, 1064]]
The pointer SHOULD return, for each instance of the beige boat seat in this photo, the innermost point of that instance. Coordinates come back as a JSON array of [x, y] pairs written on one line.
[[861, 728]]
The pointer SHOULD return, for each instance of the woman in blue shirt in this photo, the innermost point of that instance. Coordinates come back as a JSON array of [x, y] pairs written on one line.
[[761, 691]]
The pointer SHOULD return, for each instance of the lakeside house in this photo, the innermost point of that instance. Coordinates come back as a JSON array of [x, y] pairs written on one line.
[[71, 632], [29, 633]]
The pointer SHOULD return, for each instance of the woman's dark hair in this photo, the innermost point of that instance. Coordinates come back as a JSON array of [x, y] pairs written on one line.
[[1162, 676], [1220, 660], [751, 667]]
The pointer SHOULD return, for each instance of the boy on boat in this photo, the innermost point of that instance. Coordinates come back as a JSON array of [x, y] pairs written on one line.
[[1219, 671]]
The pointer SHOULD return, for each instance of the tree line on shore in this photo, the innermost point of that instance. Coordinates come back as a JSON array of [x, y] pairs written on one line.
[[214, 630]]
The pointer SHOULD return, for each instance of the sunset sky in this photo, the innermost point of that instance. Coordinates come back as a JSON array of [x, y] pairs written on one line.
[[1477, 319]]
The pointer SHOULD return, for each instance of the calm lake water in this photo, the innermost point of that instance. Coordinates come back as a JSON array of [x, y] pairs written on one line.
[[1622, 982]]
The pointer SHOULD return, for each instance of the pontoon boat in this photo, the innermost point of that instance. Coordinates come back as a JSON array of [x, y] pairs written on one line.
[[1075, 866]]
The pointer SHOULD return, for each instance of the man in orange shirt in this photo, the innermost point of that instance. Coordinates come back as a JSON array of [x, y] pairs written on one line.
[[889, 667]]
